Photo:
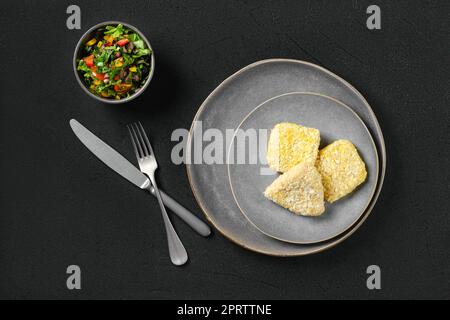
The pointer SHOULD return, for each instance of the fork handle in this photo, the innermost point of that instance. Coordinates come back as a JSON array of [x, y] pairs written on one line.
[[191, 220], [177, 252]]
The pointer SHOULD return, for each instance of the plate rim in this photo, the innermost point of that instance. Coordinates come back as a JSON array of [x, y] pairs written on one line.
[[372, 192], [382, 172]]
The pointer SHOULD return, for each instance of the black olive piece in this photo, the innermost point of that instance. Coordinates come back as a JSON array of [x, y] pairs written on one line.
[[123, 74], [98, 34]]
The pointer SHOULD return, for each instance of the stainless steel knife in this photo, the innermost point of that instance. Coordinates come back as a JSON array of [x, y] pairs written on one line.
[[122, 166]]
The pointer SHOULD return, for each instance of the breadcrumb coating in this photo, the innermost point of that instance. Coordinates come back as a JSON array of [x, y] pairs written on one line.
[[299, 190], [341, 168], [291, 144]]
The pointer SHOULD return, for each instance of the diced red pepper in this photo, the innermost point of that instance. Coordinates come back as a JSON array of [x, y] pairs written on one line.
[[117, 77], [89, 60], [122, 88], [122, 42], [100, 76]]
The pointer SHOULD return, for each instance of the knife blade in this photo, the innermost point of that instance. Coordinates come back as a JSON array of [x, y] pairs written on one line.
[[109, 156], [123, 167]]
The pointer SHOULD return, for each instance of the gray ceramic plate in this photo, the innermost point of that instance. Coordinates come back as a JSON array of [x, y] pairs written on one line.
[[225, 108], [249, 180]]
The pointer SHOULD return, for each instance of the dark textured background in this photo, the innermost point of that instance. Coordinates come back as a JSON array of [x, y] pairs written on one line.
[[61, 206]]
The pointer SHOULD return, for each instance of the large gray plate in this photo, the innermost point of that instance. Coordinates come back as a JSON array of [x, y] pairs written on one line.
[[248, 180], [227, 105]]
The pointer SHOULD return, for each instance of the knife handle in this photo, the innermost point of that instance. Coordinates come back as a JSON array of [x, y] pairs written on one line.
[[192, 220]]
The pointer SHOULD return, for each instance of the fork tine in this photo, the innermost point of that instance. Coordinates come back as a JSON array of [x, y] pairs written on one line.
[[136, 141], [136, 151], [149, 145], [144, 144]]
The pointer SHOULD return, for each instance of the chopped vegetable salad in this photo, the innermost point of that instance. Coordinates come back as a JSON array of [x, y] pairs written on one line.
[[115, 63]]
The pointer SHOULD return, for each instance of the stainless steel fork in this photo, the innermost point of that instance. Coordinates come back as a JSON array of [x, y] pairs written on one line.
[[148, 165]]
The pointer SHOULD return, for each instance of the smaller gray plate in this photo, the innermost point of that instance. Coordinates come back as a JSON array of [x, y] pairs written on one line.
[[335, 121]]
